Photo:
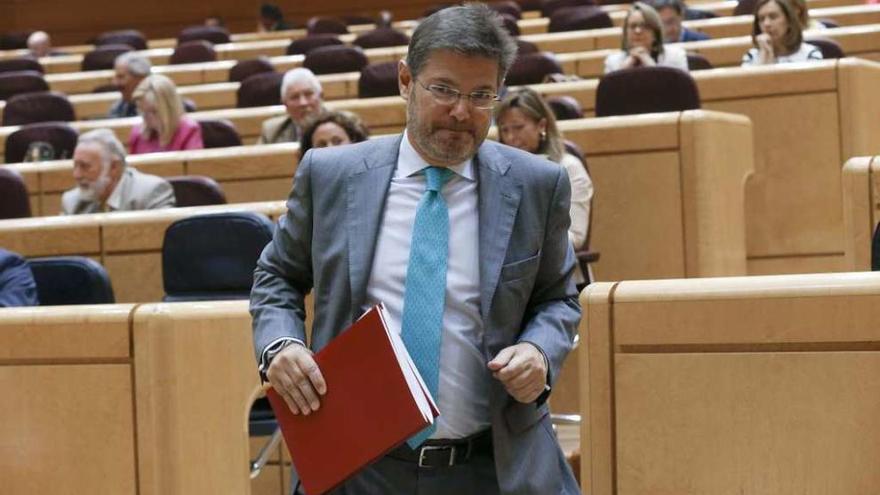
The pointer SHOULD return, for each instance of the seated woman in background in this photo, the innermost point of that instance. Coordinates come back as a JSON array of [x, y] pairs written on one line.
[[777, 36], [526, 122], [165, 127], [642, 43], [332, 129]]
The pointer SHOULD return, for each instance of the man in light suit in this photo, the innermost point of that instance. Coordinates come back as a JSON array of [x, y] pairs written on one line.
[[301, 95], [106, 183], [509, 307]]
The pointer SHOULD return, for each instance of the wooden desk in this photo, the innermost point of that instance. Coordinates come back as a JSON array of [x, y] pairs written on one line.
[[861, 210], [144, 406], [128, 244], [651, 175], [246, 173], [731, 385]]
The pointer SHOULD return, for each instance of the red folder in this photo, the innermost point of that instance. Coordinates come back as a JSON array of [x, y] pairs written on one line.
[[375, 400]]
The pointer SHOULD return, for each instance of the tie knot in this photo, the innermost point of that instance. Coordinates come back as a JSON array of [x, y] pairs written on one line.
[[436, 177]]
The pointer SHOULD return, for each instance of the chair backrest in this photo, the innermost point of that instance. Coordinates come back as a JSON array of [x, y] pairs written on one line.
[[530, 4], [532, 68], [565, 107], [196, 190], [246, 68], [219, 133], [197, 267], [549, 7], [14, 40], [65, 280], [130, 37], [745, 7], [830, 49], [508, 7], [524, 47], [19, 64], [379, 79], [103, 57], [698, 62], [21, 82], [696, 14], [646, 90], [335, 59], [193, 52], [326, 25], [357, 19], [875, 250], [579, 18], [510, 24], [60, 138], [303, 46], [212, 34], [260, 90], [381, 37], [14, 201], [43, 106]]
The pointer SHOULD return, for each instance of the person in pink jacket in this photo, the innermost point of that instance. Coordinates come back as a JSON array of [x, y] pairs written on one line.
[[165, 126]]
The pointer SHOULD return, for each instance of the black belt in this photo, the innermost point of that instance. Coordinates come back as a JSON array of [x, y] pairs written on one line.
[[440, 453]]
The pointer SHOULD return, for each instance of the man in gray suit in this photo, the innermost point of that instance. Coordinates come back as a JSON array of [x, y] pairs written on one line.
[[508, 303], [106, 183]]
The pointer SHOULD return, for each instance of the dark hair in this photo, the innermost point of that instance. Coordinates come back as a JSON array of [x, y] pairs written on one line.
[[793, 37], [472, 29], [271, 11], [349, 122], [652, 21], [676, 5]]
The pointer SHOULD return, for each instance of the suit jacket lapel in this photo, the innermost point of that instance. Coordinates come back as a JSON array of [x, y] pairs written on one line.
[[499, 201], [367, 189]]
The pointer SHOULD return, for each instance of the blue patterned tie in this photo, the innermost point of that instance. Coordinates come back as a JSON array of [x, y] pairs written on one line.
[[425, 290]]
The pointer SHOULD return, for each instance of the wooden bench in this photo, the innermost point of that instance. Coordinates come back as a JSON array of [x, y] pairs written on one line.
[[654, 216], [128, 244], [861, 209], [858, 41], [566, 42], [246, 173], [127, 399], [731, 385]]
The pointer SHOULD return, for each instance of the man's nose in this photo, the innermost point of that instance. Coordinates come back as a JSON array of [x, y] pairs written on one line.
[[461, 109]]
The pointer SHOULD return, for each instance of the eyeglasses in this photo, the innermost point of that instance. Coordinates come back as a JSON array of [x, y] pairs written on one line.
[[637, 26], [444, 95]]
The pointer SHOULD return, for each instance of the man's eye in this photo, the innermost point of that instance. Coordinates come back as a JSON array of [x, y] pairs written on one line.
[[444, 90]]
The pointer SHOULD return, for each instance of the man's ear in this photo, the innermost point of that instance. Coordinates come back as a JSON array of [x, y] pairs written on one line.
[[404, 79]]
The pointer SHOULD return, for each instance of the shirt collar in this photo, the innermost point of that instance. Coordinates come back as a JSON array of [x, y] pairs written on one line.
[[409, 162]]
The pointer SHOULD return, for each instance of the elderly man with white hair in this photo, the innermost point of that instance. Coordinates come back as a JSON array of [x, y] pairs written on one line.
[[39, 44], [301, 95], [106, 183], [130, 69]]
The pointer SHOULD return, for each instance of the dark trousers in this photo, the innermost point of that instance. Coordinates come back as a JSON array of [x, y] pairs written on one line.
[[394, 476]]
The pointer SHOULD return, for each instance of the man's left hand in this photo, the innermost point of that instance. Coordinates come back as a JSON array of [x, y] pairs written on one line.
[[523, 371]]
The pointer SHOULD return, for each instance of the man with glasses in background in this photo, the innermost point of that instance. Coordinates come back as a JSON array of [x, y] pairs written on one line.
[[465, 241]]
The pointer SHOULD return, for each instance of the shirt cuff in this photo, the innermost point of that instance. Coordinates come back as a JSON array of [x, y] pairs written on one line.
[[271, 350]]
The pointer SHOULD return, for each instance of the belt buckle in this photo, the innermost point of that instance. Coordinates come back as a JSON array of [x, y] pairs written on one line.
[[426, 448]]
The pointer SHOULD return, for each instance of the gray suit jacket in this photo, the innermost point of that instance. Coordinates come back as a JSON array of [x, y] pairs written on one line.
[[326, 241], [135, 191]]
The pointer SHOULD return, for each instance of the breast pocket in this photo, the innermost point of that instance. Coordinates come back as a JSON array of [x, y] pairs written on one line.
[[522, 269]]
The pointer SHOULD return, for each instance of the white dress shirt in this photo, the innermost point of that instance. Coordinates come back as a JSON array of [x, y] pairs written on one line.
[[463, 392]]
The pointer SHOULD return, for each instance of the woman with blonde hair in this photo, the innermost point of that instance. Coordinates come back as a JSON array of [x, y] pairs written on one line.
[[165, 126], [642, 43], [777, 36], [526, 122]]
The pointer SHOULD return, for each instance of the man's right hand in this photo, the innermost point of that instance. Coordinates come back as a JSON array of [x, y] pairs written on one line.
[[294, 374]]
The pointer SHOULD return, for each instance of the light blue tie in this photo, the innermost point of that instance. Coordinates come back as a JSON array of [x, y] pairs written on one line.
[[425, 291]]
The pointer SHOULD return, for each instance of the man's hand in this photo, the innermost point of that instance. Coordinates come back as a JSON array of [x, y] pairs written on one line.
[[523, 371], [294, 374]]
